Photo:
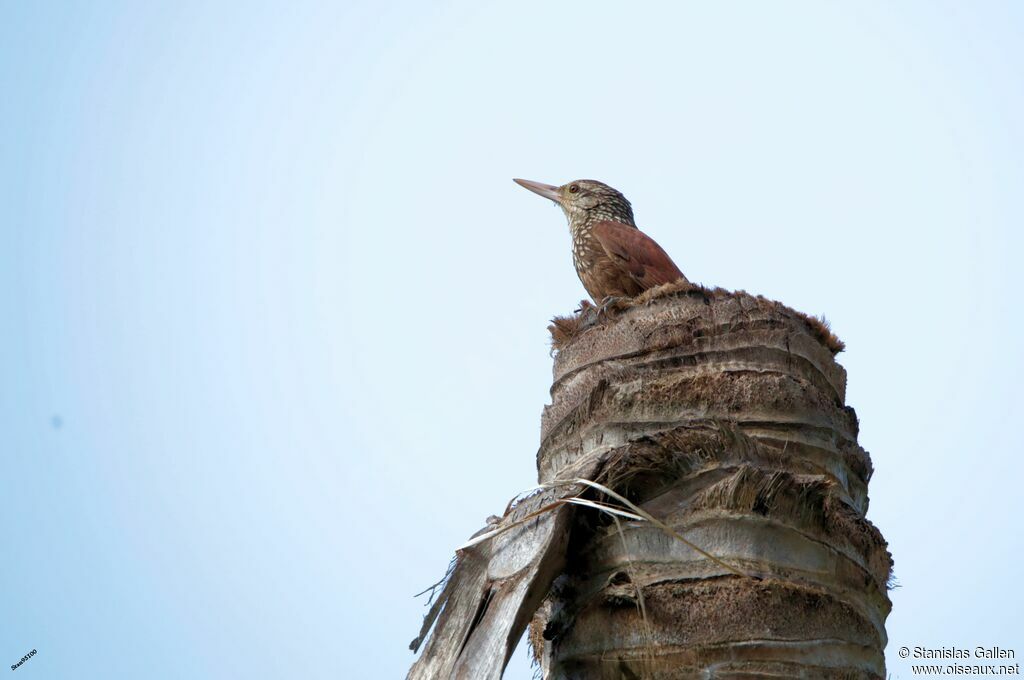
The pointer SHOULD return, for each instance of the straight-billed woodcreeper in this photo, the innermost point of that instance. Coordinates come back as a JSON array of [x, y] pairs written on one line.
[[613, 258]]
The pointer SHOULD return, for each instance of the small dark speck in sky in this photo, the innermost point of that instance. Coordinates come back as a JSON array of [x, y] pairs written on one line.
[[56, 422]]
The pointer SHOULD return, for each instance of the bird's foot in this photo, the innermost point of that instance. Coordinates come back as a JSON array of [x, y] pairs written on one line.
[[607, 304], [588, 314]]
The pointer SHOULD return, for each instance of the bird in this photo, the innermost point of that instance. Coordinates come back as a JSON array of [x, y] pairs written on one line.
[[613, 258]]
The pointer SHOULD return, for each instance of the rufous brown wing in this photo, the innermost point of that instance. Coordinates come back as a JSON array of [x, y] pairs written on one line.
[[636, 254]]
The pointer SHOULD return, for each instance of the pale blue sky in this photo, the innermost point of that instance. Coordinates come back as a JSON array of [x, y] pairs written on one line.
[[273, 313]]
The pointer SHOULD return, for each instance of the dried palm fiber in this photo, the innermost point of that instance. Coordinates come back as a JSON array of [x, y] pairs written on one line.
[[722, 415]]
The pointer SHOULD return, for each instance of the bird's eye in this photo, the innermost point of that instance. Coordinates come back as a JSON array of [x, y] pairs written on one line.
[[573, 189]]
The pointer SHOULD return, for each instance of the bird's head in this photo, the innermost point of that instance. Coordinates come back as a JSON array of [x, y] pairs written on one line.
[[585, 200]]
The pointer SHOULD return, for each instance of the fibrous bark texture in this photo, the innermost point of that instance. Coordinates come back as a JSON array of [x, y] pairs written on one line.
[[722, 415], [700, 514]]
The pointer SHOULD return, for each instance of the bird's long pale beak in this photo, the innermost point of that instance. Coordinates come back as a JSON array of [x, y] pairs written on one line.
[[546, 190]]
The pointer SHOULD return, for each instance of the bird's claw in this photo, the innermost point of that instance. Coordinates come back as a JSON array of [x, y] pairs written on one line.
[[587, 313], [606, 304]]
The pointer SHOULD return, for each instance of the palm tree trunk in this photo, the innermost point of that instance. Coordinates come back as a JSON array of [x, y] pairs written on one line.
[[722, 415]]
